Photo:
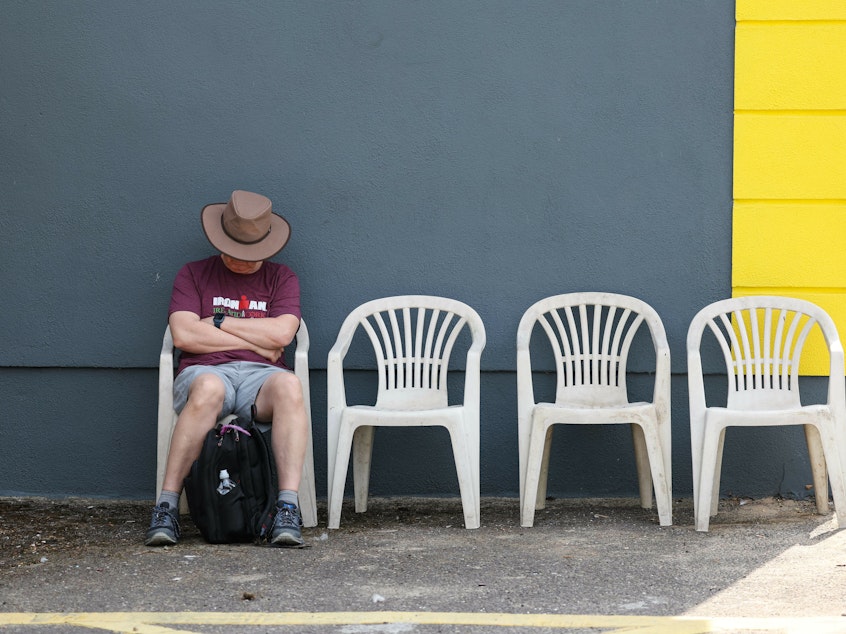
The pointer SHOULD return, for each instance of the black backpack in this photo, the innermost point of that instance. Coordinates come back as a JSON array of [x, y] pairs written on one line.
[[242, 508]]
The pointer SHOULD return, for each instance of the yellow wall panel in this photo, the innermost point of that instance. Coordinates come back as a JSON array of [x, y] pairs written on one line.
[[789, 156], [795, 244], [790, 66], [790, 10], [789, 221], [815, 359]]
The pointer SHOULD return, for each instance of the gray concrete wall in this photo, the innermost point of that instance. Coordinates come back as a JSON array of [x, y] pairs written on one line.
[[491, 151]]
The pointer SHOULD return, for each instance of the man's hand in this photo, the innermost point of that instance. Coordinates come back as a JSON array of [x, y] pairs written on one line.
[[270, 355]]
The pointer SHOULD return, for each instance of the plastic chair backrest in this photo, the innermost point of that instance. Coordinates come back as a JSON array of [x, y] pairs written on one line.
[[762, 339], [412, 338], [591, 335]]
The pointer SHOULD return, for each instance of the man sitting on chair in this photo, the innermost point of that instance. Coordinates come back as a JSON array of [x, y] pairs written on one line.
[[231, 316]]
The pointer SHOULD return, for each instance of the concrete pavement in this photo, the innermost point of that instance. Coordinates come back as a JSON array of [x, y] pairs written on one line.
[[586, 566]]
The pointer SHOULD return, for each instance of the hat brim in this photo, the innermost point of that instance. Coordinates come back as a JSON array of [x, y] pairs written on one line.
[[280, 233]]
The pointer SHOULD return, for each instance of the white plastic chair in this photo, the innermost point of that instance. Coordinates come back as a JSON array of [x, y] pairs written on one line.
[[762, 340], [412, 337], [591, 335], [167, 421]]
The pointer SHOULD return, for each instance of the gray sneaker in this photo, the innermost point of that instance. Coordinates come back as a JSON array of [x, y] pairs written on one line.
[[286, 527], [164, 528]]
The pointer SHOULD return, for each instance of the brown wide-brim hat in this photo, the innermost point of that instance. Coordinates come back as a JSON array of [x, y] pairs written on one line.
[[245, 228]]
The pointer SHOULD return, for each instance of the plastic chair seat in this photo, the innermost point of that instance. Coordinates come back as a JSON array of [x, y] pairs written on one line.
[[808, 415], [598, 415], [369, 414]]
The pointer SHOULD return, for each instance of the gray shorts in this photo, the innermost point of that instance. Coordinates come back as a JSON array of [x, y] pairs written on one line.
[[241, 379]]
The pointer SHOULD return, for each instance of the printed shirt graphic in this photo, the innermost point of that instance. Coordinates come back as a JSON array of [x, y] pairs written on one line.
[[207, 288]]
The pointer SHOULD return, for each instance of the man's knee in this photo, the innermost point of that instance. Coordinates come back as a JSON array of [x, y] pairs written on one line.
[[284, 386], [207, 390]]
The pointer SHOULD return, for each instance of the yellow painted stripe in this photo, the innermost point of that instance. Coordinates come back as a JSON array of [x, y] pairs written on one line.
[[107, 620], [146, 622], [793, 112], [789, 244], [790, 66], [790, 10], [792, 201], [789, 156]]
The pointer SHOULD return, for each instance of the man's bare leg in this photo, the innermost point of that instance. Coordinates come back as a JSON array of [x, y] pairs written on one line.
[[281, 401], [205, 399]]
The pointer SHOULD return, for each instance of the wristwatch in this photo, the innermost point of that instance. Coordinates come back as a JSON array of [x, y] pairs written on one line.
[[218, 319]]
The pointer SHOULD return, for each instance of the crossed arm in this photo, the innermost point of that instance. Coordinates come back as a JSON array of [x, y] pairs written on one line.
[[266, 336]]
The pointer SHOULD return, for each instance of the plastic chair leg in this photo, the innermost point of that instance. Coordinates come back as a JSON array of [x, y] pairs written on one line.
[[362, 449], [715, 487], [838, 489], [659, 474], [468, 478], [818, 467], [642, 462], [341, 461], [711, 450], [833, 444], [307, 492], [543, 478], [528, 496]]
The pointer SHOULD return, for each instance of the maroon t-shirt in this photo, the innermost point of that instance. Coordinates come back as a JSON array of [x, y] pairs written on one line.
[[207, 287]]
